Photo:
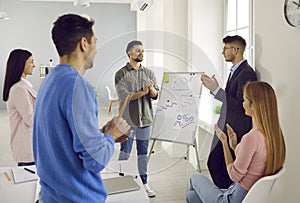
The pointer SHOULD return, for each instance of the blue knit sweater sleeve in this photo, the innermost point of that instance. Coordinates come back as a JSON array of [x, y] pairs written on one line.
[[94, 148]]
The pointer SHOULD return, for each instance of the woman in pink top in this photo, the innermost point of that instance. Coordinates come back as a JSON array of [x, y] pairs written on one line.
[[19, 96], [261, 151]]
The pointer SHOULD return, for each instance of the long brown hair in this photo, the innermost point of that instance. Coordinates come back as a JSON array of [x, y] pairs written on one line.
[[263, 100]]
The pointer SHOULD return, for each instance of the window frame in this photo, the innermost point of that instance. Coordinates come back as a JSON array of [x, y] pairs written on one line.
[[250, 49]]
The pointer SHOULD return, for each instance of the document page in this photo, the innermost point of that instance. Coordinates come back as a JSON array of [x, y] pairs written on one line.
[[22, 174]]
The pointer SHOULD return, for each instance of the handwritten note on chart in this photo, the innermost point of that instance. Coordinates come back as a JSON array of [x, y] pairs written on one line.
[[177, 112]]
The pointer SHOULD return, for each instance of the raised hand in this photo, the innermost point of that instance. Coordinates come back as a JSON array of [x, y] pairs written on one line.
[[147, 89], [209, 83], [124, 137], [221, 135], [232, 137], [118, 129], [152, 90]]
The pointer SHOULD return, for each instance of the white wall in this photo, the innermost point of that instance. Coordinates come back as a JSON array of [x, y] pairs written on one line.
[[168, 19], [150, 31], [206, 30], [163, 28], [190, 36], [277, 47], [206, 33], [30, 27]]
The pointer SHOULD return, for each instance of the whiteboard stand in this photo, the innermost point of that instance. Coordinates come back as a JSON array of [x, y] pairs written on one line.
[[187, 151], [176, 117], [186, 157]]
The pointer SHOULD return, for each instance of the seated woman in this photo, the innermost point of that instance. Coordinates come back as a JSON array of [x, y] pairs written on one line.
[[261, 151]]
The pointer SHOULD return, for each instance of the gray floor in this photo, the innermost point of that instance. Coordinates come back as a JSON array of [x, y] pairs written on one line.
[[168, 176]]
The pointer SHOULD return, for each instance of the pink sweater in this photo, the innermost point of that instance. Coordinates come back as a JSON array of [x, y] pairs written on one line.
[[20, 109], [250, 162]]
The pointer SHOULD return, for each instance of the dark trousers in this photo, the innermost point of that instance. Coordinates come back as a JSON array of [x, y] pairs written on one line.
[[217, 166]]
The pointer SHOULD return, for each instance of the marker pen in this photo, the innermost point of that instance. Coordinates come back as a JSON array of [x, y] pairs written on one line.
[[30, 171]]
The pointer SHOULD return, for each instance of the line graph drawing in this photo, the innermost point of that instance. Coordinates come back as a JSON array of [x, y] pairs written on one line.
[[176, 117], [168, 104]]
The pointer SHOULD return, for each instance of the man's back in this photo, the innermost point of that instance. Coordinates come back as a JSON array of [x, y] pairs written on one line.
[[64, 149]]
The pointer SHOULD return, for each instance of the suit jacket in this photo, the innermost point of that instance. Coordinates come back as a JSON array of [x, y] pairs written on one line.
[[233, 113], [20, 109]]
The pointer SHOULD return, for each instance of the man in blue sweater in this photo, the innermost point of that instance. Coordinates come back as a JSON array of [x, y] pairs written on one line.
[[69, 149]]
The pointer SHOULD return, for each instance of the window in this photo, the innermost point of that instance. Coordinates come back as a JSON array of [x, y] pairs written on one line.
[[238, 21]]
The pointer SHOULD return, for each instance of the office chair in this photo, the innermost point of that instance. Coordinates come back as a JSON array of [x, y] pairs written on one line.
[[111, 99], [261, 190]]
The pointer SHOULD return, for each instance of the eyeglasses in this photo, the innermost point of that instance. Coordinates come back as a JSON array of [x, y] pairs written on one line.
[[224, 48]]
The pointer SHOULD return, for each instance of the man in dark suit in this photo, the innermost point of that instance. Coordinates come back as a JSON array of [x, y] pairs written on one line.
[[232, 111]]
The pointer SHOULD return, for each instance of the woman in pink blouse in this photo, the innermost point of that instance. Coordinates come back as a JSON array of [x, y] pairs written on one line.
[[261, 151], [19, 96]]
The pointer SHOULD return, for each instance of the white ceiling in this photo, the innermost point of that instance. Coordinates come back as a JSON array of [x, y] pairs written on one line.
[[91, 1]]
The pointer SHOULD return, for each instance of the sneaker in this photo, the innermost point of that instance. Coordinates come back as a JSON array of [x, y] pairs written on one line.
[[149, 191]]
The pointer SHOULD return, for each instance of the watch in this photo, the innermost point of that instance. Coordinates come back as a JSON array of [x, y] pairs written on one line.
[[292, 12]]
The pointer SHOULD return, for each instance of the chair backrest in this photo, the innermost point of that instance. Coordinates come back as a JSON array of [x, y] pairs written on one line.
[[261, 190], [110, 97], [108, 92]]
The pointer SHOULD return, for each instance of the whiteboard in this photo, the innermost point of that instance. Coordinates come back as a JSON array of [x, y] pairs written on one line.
[[176, 116]]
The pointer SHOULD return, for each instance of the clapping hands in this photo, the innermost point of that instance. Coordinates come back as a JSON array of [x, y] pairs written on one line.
[[118, 128], [223, 137], [148, 87]]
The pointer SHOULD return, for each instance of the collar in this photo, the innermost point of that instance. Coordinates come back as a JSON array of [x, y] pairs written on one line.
[[27, 82], [129, 67], [236, 66]]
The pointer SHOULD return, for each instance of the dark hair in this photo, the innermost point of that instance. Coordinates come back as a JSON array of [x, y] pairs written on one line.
[[131, 44], [14, 69], [235, 39], [67, 31]]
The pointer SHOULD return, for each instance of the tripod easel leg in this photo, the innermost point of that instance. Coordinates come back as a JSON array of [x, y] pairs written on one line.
[[197, 155], [187, 167], [151, 149]]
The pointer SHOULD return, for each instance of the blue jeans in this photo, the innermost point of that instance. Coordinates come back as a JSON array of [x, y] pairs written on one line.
[[203, 190], [142, 136]]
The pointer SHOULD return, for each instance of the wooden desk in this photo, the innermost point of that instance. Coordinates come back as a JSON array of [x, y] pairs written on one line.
[[25, 192]]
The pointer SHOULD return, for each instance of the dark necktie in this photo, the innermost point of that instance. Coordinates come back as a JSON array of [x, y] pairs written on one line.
[[229, 77]]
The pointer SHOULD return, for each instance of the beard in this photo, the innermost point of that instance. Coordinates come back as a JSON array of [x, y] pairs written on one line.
[[138, 59], [229, 58]]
